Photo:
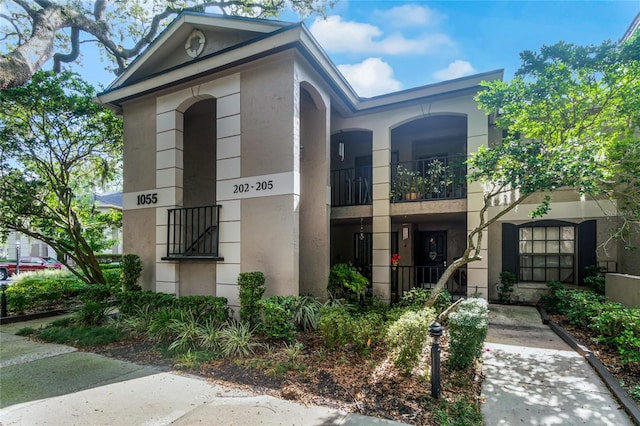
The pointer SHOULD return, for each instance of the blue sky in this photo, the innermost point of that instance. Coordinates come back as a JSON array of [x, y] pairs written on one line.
[[383, 46]]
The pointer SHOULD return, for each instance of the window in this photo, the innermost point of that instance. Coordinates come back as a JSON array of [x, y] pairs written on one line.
[[547, 253]]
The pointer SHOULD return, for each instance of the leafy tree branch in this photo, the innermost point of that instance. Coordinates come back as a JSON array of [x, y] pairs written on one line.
[[37, 31]]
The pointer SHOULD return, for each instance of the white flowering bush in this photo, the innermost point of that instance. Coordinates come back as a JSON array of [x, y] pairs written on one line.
[[467, 331]]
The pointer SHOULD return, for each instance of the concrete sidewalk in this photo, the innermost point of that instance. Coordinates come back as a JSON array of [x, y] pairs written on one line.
[[532, 377], [49, 384]]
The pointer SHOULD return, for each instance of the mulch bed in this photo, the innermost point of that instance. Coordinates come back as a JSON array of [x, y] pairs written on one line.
[[340, 378]]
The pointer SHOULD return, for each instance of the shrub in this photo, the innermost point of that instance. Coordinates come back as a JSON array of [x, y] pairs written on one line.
[[113, 278], [554, 300], [235, 340], [161, 325], [185, 330], [345, 282], [92, 312], [360, 331], [42, 290], [131, 270], [106, 258], [408, 336], [204, 307], [251, 290], [619, 326], [277, 317], [505, 287], [129, 302], [109, 266], [595, 279], [581, 305], [334, 325], [467, 331], [209, 336], [306, 312], [417, 298]]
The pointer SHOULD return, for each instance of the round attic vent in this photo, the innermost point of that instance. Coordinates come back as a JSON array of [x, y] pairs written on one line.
[[195, 43]]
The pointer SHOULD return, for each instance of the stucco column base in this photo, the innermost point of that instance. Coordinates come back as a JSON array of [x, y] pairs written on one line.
[[382, 290]]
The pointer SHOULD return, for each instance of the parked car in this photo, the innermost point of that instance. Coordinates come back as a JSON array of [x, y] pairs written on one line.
[[28, 264]]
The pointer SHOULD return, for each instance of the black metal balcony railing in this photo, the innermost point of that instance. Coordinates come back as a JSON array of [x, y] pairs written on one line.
[[192, 233], [404, 278], [351, 187], [436, 178]]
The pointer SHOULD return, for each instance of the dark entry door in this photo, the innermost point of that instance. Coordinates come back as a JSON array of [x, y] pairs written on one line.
[[431, 254]]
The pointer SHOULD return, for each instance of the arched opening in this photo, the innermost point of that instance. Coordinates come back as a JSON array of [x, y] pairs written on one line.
[[199, 179], [199, 213], [427, 159], [314, 212]]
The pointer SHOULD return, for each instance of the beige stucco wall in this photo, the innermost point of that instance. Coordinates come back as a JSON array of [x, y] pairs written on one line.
[[139, 231], [630, 258], [270, 144], [138, 226], [139, 124], [623, 288]]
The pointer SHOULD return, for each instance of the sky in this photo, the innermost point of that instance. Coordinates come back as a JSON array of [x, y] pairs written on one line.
[[384, 46]]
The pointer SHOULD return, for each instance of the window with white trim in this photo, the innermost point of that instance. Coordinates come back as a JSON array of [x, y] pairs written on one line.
[[547, 253]]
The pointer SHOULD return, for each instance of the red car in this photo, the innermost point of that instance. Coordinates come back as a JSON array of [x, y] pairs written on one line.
[[27, 264]]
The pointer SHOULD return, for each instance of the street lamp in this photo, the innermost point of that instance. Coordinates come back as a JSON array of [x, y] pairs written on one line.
[[17, 257]]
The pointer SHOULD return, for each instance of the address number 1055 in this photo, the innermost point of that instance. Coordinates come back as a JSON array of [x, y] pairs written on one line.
[[148, 198]]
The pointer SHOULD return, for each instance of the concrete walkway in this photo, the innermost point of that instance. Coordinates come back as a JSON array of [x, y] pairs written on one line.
[[49, 384], [532, 377]]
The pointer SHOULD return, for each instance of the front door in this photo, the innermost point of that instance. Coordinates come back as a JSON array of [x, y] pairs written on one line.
[[431, 254]]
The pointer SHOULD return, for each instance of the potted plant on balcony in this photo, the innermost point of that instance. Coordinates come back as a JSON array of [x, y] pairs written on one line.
[[407, 185], [437, 177]]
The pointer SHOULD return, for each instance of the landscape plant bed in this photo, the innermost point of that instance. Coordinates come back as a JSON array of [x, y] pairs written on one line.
[[627, 374], [340, 378]]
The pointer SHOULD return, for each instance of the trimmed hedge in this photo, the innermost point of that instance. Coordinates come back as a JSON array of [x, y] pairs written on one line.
[[43, 291], [201, 307], [613, 323]]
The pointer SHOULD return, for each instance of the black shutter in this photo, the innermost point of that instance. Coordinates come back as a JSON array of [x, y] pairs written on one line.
[[510, 249], [586, 249]]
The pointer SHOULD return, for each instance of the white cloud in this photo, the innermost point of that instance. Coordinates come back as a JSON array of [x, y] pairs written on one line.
[[456, 69], [371, 77], [336, 35], [409, 15]]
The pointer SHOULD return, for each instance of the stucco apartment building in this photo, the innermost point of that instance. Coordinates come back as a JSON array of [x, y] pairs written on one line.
[[246, 150]]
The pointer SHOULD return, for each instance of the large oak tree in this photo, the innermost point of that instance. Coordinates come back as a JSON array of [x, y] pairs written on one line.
[[37, 31]]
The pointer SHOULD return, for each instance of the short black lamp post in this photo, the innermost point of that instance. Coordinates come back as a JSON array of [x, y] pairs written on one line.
[[435, 330], [3, 301]]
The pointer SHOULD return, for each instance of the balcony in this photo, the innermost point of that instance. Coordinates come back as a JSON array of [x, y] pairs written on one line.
[[434, 178], [192, 233], [404, 278], [351, 187]]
